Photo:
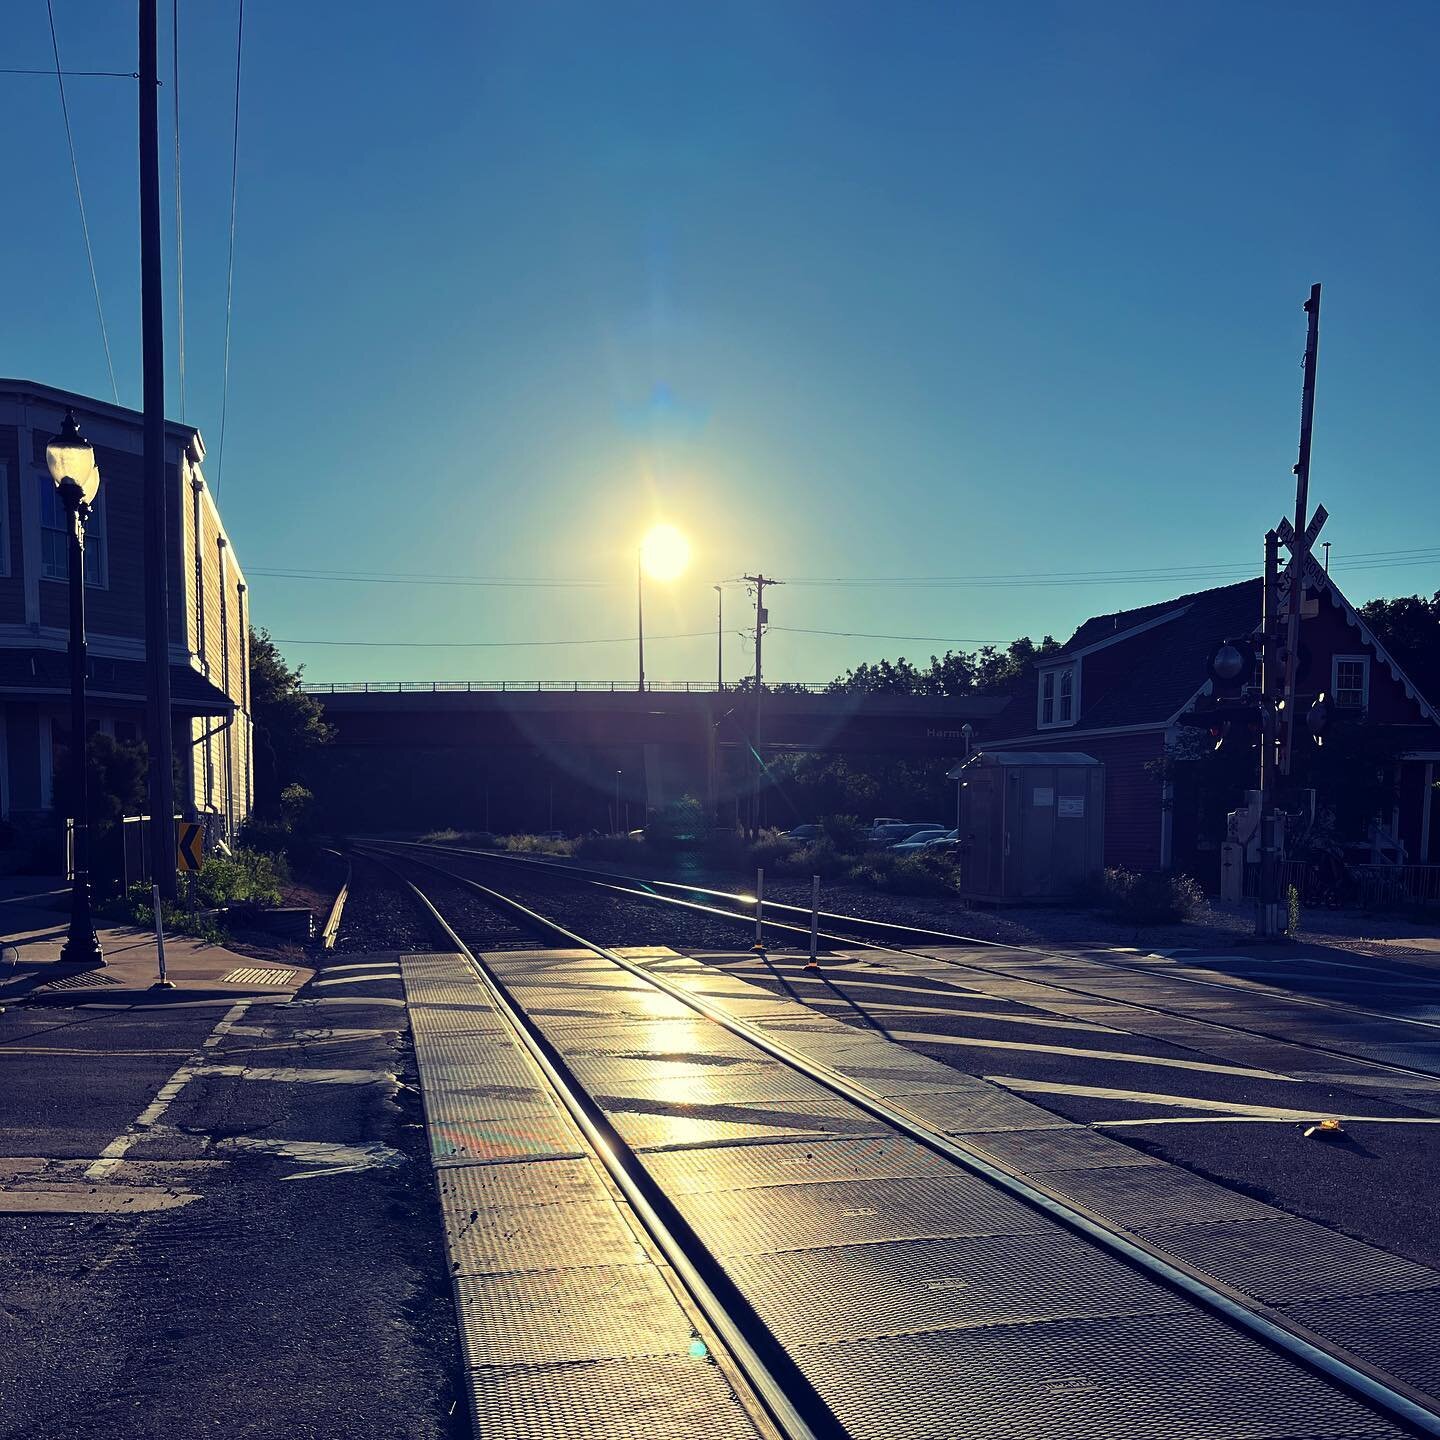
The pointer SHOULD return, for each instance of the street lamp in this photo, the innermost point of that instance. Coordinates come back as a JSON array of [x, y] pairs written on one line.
[[719, 639], [70, 459]]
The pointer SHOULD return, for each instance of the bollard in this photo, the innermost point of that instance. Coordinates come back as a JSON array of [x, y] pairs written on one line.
[[162, 983], [814, 963], [759, 946]]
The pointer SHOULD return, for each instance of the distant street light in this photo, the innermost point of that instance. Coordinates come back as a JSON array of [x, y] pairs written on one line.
[[719, 639], [70, 458]]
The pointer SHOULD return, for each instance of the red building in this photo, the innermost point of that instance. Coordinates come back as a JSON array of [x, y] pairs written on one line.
[[1117, 689]]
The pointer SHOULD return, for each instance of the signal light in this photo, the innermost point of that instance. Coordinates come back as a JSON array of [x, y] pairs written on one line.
[[1232, 665]]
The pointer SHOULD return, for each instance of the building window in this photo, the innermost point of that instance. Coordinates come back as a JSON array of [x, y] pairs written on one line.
[[1350, 681], [4, 521], [55, 538], [1057, 697]]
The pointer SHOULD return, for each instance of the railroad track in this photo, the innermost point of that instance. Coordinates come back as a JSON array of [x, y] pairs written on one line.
[[1310, 1385], [791, 924]]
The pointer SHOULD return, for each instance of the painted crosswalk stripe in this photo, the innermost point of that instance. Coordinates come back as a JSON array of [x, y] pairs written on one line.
[[1143, 1097], [1114, 1056]]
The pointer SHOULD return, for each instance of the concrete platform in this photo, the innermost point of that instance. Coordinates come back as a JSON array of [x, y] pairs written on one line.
[[200, 972]]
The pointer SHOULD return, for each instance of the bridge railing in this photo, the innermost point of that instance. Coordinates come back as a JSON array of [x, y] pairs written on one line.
[[614, 687]]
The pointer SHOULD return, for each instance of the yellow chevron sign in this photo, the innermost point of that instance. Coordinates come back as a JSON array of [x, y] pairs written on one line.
[[189, 845]]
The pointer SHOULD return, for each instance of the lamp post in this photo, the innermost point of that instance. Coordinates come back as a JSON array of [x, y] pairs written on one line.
[[719, 639], [618, 774], [640, 608], [70, 459]]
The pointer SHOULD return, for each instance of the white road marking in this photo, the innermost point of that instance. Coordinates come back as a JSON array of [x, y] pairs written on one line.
[[366, 965], [114, 1152], [1119, 1056], [891, 1007], [317, 1074], [331, 1157], [1269, 1120], [348, 1000], [357, 979], [1141, 1097]]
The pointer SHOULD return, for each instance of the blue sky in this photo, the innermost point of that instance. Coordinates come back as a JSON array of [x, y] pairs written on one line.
[[843, 290]]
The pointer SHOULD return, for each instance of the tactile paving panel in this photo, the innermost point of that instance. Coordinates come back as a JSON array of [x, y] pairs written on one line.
[[1139, 1196], [791, 1162], [671, 1039], [657, 1399], [1075, 1148], [1284, 1260], [1180, 1377], [893, 1288], [844, 1212], [586, 1313], [1398, 1333]]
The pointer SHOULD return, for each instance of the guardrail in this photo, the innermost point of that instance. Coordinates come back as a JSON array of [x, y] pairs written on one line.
[[1365, 887], [520, 687]]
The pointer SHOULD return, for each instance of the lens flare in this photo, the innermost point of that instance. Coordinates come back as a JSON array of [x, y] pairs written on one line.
[[664, 552]]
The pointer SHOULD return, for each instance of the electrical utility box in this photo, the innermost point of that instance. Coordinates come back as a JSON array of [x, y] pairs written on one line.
[[1031, 825]]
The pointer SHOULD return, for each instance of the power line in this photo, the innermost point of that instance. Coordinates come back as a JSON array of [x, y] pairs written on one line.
[[870, 635], [80, 199], [179, 207], [398, 578], [230, 269], [73, 74], [491, 644]]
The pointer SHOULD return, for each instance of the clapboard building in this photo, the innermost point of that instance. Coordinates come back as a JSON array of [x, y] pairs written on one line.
[[209, 612]]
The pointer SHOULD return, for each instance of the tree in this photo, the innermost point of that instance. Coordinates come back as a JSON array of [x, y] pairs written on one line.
[[1409, 628], [289, 724], [988, 670], [115, 780]]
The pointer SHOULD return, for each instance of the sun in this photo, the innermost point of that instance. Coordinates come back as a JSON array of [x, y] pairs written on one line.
[[664, 552]]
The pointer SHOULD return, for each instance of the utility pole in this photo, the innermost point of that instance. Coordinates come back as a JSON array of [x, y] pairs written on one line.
[[1300, 548], [152, 322], [761, 617], [719, 639], [1267, 913]]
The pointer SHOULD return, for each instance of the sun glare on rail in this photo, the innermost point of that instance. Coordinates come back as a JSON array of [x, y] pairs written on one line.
[[664, 552]]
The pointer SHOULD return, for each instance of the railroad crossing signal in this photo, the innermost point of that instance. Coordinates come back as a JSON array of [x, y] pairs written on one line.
[[1314, 572], [189, 845]]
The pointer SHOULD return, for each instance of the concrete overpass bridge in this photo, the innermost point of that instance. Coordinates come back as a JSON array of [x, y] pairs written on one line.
[[511, 749]]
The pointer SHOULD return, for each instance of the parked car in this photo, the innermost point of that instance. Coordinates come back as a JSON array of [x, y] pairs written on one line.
[[896, 831], [803, 834], [949, 840], [918, 841]]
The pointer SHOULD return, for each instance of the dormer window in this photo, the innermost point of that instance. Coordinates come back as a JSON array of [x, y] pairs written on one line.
[[1057, 697]]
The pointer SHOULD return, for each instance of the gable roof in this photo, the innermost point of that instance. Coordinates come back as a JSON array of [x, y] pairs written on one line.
[[1166, 649]]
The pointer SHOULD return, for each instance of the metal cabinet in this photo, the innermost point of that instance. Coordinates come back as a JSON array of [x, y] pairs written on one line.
[[1032, 824]]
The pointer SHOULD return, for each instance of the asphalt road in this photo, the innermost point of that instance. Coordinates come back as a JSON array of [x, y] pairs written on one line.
[[302, 1291], [1224, 1082]]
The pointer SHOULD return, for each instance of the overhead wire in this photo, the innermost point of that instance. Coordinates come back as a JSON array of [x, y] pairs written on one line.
[[494, 644], [80, 199], [230, 267], [179, 206]]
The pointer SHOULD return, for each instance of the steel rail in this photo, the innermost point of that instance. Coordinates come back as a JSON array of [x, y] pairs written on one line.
[[331, 930], [946, 937], [1347, 1371], [641, 1194]]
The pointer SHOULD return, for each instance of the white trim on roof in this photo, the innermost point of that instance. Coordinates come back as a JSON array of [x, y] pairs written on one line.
[[1115, 639], [1352, 617]]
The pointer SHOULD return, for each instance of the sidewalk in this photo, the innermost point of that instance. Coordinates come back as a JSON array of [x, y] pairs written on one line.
[[34, 919]]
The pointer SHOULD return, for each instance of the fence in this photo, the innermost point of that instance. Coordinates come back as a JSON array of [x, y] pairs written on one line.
[[1365, 887], [520, 687]]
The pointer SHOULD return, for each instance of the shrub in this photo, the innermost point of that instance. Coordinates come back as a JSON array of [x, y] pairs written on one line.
[[769, 851], [1151, 897], [844, 832], [245, 876], [536, 845], [820, 857], [919, 874]]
